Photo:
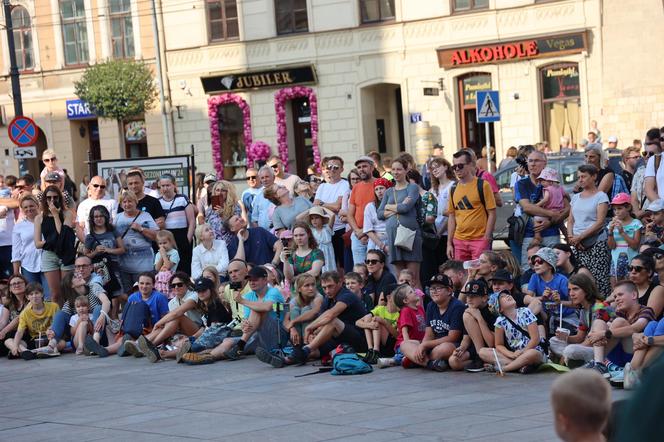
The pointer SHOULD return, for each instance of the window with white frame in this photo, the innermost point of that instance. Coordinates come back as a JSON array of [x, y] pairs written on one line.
[[74, 32], [122, 29], [22, 38]]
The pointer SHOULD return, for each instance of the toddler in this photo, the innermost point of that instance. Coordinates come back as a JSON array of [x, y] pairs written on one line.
[[624, 236], [165, 262], [81, 324], [553, 197]]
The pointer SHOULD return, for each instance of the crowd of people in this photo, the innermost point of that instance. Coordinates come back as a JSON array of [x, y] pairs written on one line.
[[394, 262]]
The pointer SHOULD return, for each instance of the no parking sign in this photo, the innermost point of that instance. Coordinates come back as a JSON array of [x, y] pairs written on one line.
[[23, 131]]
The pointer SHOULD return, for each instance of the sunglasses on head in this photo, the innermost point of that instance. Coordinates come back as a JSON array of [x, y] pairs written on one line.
[[372, 261], [458, 166]]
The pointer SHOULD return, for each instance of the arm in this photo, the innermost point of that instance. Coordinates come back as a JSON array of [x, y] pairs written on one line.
[[452, 336], [9, 328], [491, 223], [606, 184], [656, 300], [17, 248], [196, 265], [451, 227], [311, 314], [534, 335], [222, 265], [327, 317], [191, 222], [333, 207], [188, 305], [257, 306], [160, 260], [39, 242], [10, 203], [500, 344], [316, 268], [650, 188], [120, 249], [409, 202], [380, 210], [351, 218], [105, 307]]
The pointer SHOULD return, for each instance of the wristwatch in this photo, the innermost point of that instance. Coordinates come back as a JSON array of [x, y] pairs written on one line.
[[651, 341]]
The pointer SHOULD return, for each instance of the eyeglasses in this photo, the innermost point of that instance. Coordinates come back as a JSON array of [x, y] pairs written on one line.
[[636, 269], [437, 288], [647, 154], [48, 160], [17, 284], [177, 285], [52, 197], [372, 261], [536, 260], [252, 177], [459, 166], [96, 186], [333, 167], [315, 180]]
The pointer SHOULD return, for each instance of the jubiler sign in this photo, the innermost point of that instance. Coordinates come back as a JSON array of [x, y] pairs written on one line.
[[257, 80], [512, 51]]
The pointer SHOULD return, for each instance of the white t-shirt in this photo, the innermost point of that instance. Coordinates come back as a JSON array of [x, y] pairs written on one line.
[[442, 198], [289, 182], [195, 314], [330, 193], [84, 208], [659, 179]]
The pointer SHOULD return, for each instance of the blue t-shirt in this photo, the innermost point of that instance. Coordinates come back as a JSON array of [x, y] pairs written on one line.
[[559, 283], [452, 319], [526, 189], [271, 295], [157, 302], [248, 199], [355, 308], [258, 248]]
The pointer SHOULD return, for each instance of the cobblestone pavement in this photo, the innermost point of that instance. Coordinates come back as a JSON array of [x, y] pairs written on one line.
[[82, 398]]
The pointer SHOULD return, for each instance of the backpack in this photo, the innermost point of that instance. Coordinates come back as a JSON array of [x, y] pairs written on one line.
[[136, 317], [349, 363], [517, 227], [480, 191]]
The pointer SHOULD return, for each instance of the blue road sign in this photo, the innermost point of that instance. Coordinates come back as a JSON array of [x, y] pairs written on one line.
[[488, 106], [23, 131]]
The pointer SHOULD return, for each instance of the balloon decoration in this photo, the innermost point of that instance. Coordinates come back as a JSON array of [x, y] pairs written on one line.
[[213, 115], [258, 151]]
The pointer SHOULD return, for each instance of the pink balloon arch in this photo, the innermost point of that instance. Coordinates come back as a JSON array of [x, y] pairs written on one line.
[[213, 115]]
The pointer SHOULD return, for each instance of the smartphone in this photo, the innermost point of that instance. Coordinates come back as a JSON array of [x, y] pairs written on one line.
[[236, 285], [284, 241], [215, 200]]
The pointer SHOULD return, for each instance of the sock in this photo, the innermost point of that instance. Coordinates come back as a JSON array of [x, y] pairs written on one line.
[[241, 344]]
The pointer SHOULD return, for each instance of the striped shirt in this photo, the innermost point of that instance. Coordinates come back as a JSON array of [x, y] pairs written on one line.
[[176, 218]]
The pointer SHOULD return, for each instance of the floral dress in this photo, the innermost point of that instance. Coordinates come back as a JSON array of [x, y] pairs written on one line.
[[427, 207], [302, 264], [514, 339], [215, 221], [324, 239]]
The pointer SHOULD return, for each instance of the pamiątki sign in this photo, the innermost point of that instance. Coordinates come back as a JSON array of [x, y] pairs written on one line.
[[257, 80], [512, 51]]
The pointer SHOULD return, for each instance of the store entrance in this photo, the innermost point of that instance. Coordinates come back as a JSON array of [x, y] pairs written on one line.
[[302, 139], [473, 134]]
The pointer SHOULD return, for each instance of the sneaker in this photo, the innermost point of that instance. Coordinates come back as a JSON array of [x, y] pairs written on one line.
[[386, 362], [601, 368], [148, 349], [613, 369], [186, 346], [234, 353], [269, 358], [631, 377], [122, 350], [94, 347], [438, 365], [617, 379], [28, 355], [198, 359], [490, 368], [476, 366], [527, 369], [132, 348], [371, 357], [47, 352], [299, 356], [589, 365]]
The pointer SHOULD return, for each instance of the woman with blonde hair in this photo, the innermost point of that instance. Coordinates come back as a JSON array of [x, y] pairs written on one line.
[[223, 203]]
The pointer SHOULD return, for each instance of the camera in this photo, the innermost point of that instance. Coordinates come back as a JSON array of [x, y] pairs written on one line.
[[236, 285], [284, 242], [521, 161]]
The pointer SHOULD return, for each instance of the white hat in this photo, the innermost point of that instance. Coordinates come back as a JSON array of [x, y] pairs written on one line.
[[655, 206], [612, 139]]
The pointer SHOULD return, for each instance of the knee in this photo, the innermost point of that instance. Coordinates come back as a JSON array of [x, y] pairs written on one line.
[[618, 322]]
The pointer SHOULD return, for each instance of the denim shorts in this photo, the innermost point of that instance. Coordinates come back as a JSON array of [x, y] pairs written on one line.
[[51, 262]]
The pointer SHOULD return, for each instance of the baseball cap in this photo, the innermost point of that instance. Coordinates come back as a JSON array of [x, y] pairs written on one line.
[[612, 139], [502, 275], [203, 284], [53, 176], [476, 287], [620, 199], [210, 178], [364, 159], [257, 272], [655, 206], [443, 280]]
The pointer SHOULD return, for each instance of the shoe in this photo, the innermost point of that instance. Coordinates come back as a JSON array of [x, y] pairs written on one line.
[[371, 357], [94, 347], [527, 369], [148, 349], [589, 365], [601, 368], [186, 346], [617, 379], [490, 368], [476, 366], [47, 352], [299, 356], [386, 362], [613, 369], [122, 351], [132, 348], [28, 355], [631, 377], [438, 365], [198, 359], [269, 358], [234, 353]]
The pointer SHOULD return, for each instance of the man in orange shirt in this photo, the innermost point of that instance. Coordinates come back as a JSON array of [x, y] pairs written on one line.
[[361, 195], [472, 215]]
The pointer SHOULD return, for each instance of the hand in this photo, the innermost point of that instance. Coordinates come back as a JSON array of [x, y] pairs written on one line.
[[217, 208], [100, 249], [364, 240], [518, 353], [555, 296], [15, 351], [460, 350], [135, 226], [421, 355], [475, 313], [542, 226], [595, 336], [562, 336], [308, 333], [100, 323], [2, 335], [50, 334], [247, 327], [546, 294], [240, 234], [359, 233], [295, 337], [54, 210], [237, 296], [450, 250]]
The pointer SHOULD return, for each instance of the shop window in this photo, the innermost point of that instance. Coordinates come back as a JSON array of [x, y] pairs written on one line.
[[122, 30], [473, 134], [561, 103], [74, 31], [291, 16], [376, 10], [468, 5], [22, 38], [136, 139], [231, 132], [222, 20]]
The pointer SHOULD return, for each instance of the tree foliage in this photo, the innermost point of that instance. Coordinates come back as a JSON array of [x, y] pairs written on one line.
[[118, 89]]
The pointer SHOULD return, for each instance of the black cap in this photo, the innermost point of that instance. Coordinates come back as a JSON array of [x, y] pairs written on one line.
[[443, 280], [203, 284], [257, 272], [476, 287], [502, 275]]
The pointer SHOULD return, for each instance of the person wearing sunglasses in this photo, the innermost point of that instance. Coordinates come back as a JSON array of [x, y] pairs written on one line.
[[96, 197], [253, 189], [50, 160], [380, 278], [289, 181], [651, 294]]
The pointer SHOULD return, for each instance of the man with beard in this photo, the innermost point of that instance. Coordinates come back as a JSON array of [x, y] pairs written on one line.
[[361, 195]]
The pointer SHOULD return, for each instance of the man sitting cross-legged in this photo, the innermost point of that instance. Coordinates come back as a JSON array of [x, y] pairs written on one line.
[[336, 325], [260, 327]]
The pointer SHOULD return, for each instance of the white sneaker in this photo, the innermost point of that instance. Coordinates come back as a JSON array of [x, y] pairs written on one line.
[[631, 377], [386, 362]]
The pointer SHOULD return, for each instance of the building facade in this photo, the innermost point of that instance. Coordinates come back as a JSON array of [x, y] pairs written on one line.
[[320, 77]]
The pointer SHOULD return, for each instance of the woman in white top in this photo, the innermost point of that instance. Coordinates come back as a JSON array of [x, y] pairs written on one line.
[[442, 180], [26, 258], [209, 252], [180, 219], [374, 227]]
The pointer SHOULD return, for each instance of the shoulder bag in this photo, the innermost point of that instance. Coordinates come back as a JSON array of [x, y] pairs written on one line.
[[404, 237]]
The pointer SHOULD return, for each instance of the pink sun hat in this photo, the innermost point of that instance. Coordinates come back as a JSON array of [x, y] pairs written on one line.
[[549, 174]]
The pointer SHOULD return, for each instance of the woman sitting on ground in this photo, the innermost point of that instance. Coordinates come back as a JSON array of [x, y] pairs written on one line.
[[18, 299]]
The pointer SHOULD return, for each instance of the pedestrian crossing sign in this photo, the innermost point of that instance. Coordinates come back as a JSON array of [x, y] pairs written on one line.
[[488, 106]]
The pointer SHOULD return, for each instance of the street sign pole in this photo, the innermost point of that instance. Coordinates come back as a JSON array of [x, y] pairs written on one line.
[[488, 146], [488, 111], [13, 73]]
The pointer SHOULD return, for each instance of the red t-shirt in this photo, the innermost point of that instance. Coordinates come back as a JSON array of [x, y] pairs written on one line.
[[415, 320], [361, 195]]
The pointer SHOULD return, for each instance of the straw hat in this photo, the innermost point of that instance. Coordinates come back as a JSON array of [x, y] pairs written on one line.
[[317, 210]]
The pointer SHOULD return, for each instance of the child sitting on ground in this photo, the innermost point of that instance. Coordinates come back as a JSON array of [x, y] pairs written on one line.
[[355, 283], [165, 262], [655, 227], [581, 402], [553, 198], [81, 324], [380, 328]]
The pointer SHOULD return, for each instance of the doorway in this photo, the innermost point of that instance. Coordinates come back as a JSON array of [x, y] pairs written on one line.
[[95, 145], [473, 134], [382, 119], [302, 139]]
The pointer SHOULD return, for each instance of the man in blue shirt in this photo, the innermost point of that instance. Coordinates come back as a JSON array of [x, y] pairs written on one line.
[[262, 208], [259, 246]]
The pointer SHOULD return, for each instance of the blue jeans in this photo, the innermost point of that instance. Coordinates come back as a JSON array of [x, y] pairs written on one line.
[[37, 277], [654, 328], [61, 322], [359, 249], [516, 250]]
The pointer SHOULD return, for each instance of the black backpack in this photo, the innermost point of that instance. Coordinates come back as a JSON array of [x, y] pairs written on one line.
[[480, 191]]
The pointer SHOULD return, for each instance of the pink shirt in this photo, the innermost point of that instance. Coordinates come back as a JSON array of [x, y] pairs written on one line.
[[556, 197]]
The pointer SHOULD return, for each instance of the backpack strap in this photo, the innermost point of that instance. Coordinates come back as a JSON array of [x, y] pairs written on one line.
[[658, 161], [480, 191]]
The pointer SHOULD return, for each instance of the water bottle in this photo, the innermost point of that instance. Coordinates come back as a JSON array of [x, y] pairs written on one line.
[[472, 264]]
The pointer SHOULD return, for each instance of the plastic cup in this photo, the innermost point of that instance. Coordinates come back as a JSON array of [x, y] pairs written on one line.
[[564, 331], [473, 264]]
